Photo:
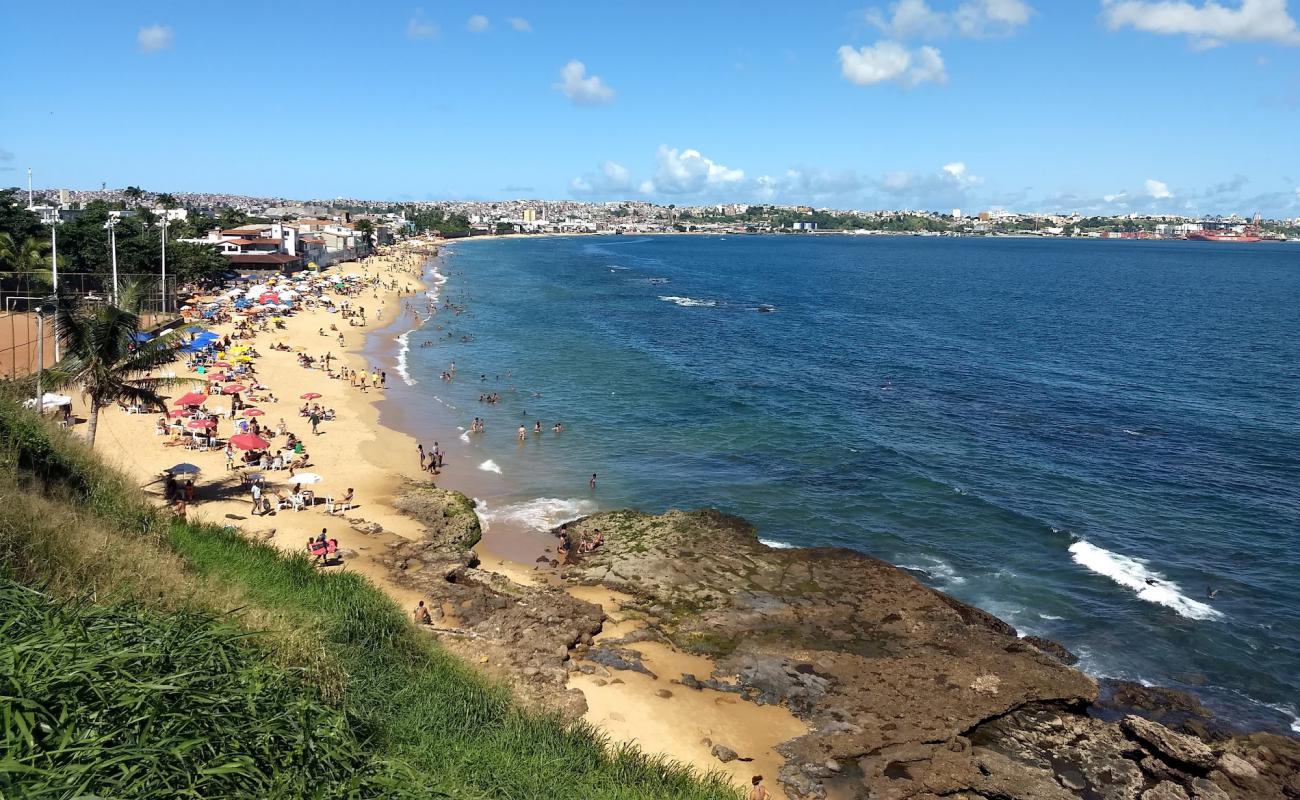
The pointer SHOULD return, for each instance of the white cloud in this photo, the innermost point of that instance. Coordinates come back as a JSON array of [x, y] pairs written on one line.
[[956, 171], [420, 28], [1117, 197], [1158, 190], [520, 24], [975, 18], [690, 172], [1208, 24], [477, 24], [890, 61], [610, 178], [581, 88], [153, 38]]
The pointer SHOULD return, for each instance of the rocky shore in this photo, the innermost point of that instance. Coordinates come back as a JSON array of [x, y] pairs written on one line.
[[906, 692]]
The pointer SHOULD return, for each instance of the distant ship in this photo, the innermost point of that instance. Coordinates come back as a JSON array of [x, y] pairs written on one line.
[[1226, 232]]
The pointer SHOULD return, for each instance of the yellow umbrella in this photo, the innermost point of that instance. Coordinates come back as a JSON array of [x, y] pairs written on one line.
[[243, 358]]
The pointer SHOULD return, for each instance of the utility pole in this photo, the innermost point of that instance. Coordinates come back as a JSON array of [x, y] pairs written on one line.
[[54, 269], [112, 239], [29, 189], [164, 261]]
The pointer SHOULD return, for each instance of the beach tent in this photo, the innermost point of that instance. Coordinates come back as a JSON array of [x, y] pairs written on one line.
[[50, 400]]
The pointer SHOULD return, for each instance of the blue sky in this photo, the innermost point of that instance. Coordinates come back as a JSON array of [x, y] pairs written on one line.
[[1090, 105]]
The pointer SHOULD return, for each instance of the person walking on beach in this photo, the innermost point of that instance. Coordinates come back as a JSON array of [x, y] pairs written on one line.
[[257, 496], [314, 419], [437, 455], [420, 447]]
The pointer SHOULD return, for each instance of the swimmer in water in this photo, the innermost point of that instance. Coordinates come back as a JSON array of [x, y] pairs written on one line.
[[1211, 592]]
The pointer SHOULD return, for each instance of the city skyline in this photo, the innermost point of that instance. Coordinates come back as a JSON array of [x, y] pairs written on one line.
[[1107, 107]]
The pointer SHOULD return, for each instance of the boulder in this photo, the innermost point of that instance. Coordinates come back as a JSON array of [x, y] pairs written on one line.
[[1176, 748], [723, 753], [1165, 791]]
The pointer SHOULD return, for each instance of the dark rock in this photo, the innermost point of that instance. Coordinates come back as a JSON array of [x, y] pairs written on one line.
[[723, 753], [618, 658], [664, 693], [1052, 649]]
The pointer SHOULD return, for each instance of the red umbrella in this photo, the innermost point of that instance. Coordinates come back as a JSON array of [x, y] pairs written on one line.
[[180, 412], [222, 364], [200, 424], [232, 388], [253, 412], [247, 441], [219, 377], [192, 399], [310, 395]]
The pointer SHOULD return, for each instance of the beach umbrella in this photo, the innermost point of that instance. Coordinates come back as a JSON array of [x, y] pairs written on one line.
[[233, 388], [223, 364], [191, 399], [183, 469], [306, 477], [180, 412], [253, 412], [244, 359], [309, 395], [219, 377], [247, 441], [201, 424]]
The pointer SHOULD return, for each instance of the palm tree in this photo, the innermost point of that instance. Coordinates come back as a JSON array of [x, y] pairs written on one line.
[[102, 356], [26, 259]]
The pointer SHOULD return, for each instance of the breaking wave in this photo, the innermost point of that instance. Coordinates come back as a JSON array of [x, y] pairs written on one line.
[[539, 514], [775, 545], [490, 466], [405, 341], [1133, 573], [688, 302]]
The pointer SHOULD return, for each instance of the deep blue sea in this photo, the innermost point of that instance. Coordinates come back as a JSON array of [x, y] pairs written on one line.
[[1081, 437]]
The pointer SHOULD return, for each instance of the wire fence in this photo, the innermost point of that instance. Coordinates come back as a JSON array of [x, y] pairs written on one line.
[[21, 332]]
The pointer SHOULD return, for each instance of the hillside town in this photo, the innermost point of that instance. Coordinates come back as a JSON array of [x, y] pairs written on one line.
[[285, 234]]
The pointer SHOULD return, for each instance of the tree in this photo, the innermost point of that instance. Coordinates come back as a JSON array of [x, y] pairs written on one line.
[[102, 356], [134, 194], [15, 219], [367, 229], [26, 259]]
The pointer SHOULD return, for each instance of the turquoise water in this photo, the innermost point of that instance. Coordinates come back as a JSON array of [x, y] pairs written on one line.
[[1039, 427]]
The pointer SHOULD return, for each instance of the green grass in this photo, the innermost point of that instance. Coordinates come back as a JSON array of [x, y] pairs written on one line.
[[120, 701], [421, 712]]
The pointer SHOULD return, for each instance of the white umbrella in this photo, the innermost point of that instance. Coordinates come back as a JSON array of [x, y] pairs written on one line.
[[50, 400], [306, 477]]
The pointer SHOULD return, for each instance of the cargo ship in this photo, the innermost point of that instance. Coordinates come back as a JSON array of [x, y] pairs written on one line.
[[1227, 232]]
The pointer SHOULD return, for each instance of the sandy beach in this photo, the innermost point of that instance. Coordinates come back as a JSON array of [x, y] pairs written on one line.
[[355, 451]]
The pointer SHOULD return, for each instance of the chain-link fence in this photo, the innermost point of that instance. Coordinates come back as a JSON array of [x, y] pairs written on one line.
[[21, 293]]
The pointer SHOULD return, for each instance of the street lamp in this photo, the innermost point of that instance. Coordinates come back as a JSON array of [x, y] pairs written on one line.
[[111, 225], [165, 220]]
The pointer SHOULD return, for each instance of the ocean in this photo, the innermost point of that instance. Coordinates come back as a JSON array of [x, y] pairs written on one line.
[[1083, 437]]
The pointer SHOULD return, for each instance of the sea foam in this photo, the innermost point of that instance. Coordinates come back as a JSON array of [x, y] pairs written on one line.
[[538, 514], [490, 466], [688, 302], [405, 341], [1133, 573], [775, 545]]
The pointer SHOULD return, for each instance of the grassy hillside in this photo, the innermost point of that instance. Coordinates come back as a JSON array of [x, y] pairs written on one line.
[[134, 672]]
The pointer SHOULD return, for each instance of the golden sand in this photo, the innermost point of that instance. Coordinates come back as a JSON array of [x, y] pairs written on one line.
[[355, 451]]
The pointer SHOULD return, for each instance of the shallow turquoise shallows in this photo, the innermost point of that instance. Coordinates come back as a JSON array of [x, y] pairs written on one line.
[[1082, 437]]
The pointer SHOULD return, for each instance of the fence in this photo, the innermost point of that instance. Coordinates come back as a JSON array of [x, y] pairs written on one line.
[[20, 294]]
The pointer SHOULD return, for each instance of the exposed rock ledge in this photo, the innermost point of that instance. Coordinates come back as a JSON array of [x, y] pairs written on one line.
[[909, 693]]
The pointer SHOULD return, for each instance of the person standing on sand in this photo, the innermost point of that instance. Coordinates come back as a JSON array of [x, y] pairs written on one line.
[[420, 447], [257, 496], [314, 419], [758, 791]]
